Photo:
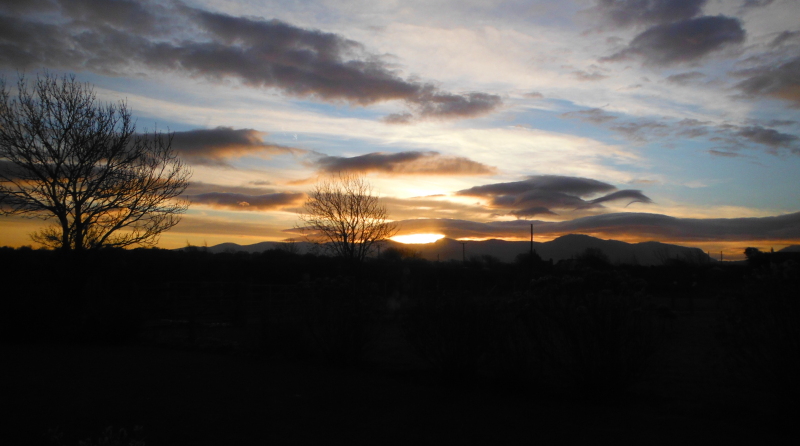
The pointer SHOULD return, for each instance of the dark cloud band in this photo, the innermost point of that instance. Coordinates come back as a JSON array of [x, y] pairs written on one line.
[[683, 42], [404, 163], [625, 225], [117, 37], [244, 202], [541, 194], [216, 146]]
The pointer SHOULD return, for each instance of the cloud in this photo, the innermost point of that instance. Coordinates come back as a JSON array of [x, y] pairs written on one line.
[[682, 42], [533, 95], [404, 163], [724, 154], [542, 193], [627, 225], [215, 146], [685, 78], [632, 196], [784, 37], [236, 201], [641, 130], [530, 212], [756, 3], [588, 77], [768, 137], [593, 115], [89, 35], [199, 188], [736, 137], [648, 12], [432, 207], [779, 81]]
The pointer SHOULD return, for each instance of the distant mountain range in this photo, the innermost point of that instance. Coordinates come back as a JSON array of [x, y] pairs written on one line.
[[565, 247]]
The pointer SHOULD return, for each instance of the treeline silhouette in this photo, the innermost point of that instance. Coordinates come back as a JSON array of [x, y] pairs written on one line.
[[580, 327]]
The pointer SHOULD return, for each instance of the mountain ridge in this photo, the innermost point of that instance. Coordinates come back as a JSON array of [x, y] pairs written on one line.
[[564, 247]]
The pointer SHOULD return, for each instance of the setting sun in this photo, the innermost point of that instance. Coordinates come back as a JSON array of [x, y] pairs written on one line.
[[417, 238]]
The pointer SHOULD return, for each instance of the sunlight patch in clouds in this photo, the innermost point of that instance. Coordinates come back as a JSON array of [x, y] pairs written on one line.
[[417, 238]]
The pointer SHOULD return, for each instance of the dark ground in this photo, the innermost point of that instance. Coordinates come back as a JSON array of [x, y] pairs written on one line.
[[190, 397]]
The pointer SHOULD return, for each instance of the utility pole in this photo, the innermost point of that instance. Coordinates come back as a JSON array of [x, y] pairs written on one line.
[[531, 242], [463, 252]]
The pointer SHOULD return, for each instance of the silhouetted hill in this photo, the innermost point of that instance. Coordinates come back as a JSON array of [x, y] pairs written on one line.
[[565, 247], [792, 248]]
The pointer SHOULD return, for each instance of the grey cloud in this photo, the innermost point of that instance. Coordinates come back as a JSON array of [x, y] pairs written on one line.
[[780, 122], [530, 212], [215, 146], [683, 42], [593, 115], [648, 12], [533, 95], [768, 137], [588, 77], [641, 130], [266, 54], [779, 81], [405, 163], [246, 202], [200, 188], [398, 118], [685, 78], [723, 153], [628, 225], [632, 196], [25, 6], [541, 194], [784, 37], [643, 181], [756, 3], [692, 128], [556, 183], [737, 137]]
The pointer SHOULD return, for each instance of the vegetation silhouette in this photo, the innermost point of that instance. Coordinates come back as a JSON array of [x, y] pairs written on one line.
[[70, 159], [342, 212], [715, 341]]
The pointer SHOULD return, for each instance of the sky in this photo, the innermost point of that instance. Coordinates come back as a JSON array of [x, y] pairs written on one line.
[[668, 120]]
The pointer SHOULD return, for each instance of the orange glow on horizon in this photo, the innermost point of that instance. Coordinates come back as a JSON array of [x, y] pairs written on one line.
[[416, 239]]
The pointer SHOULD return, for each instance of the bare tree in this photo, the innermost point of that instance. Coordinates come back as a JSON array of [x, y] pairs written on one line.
[[67, 158], [343, 212]]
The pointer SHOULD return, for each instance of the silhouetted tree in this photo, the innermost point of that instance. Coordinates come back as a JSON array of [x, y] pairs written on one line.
[[66, 157], [342, 211]]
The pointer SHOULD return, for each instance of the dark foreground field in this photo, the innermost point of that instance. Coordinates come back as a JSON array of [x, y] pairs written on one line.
[[186, 397], [272, 348]]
